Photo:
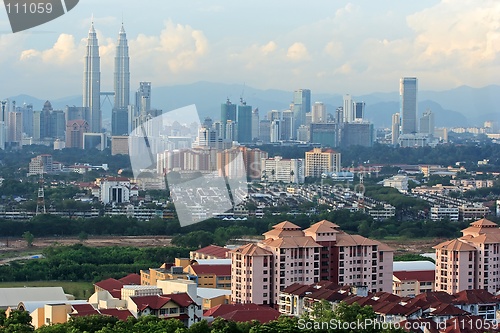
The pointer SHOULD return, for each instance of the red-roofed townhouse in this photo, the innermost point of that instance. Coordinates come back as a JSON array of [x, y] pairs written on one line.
[[179, 306], [411, 283]]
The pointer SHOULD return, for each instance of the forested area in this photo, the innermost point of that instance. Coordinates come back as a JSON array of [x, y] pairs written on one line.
[[83, 263]]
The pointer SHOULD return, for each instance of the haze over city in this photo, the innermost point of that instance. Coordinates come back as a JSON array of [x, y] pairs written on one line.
[[330, 47]]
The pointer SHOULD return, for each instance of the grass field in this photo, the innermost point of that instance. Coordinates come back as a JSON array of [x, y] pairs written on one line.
[[81, 290]]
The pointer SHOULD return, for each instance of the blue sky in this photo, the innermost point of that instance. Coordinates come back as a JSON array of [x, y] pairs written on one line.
[[341, 47]]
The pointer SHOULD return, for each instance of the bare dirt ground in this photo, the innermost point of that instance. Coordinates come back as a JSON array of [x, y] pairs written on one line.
[[16, 245], [413, 246]]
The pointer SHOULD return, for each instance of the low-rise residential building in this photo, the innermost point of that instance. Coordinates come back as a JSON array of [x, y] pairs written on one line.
[[209, 252], [439, 212], [179, 306], [210, 276], [412, 283]]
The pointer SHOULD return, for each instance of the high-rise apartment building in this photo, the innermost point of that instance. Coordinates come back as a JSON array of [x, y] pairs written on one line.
[[277, 169], [408, 88], [319, 161], [92, 82], [27, 114], [288, 255], [15, 128], [471, 261], [143, 98]]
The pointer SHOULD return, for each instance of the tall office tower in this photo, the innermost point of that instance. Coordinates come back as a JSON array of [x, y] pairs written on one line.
[[75, 112], [244, 123], [15, 128], [57, 124], [273, 115], [74, 133], [318, 113], [348, 109], [227, 112], [122, 73], [286, 131], [3, 128], [359, 111], [408, 88], [275, 129], [119, 117], [427, 122], [357, 134], [265, 131], [143, 98], [207, 123], [27, 114], [255, 124], [301, 106], [231, 130], [92, 82], [396, 124], [339, 115]]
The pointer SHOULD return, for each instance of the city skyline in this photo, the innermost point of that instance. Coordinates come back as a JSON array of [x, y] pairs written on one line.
[[324, 49]]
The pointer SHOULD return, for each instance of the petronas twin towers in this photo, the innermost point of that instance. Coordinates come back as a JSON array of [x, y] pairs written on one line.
[[92, 79]]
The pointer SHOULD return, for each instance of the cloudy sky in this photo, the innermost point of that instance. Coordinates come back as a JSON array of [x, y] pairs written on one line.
[[331, 46]]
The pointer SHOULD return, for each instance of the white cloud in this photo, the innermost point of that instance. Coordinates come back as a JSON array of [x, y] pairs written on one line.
[[297, 52]]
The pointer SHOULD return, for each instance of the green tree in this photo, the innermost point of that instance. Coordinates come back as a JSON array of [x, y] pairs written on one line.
[[18, 322], [29, 238]]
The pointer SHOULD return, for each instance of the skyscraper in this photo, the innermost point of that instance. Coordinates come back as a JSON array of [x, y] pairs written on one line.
[[119, 117], [244, 123], [396, 124], [301, 106], [122, 73], [318, 113], [427, 123], [227, 112], [348, 109], [408, 87], [359, 111], [143, 98], [92, 82]]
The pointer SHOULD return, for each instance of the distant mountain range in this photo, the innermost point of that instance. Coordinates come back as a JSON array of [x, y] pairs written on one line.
[[462, 106]]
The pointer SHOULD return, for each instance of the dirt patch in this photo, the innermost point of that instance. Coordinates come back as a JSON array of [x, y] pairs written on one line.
[[414, 246], [19, 244]]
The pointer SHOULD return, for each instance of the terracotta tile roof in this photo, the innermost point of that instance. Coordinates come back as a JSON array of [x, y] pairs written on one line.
[[109, 284], [252, 250], [323, 226], [344, 239], [156, 302], [474, 296], [281, 233], [482, 226], [455, 245], [291, 242], [213, 250], [484, 238], [223, 309], [444, 309], [484, 223], [298, 289], [83, 308], [219, 270], [467, 324], [117, 313], [263, 315], [286, 225], [390, 308], [415, 275], [131, 279]]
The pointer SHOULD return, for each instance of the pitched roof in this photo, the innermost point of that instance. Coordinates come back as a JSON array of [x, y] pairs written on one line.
[[415, 275], [131, 279], [252, 250], [109, 284], [344, 239], [158, 301], [444, 309], [291, 242], [222, 309], [455, 245], [13, 296], [117, 313], [474, 296], [213, 250], [263, 315], [286, 225], [323, 226], [211, 269]]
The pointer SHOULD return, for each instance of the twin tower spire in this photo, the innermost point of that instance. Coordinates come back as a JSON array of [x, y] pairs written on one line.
[[92, 78]]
